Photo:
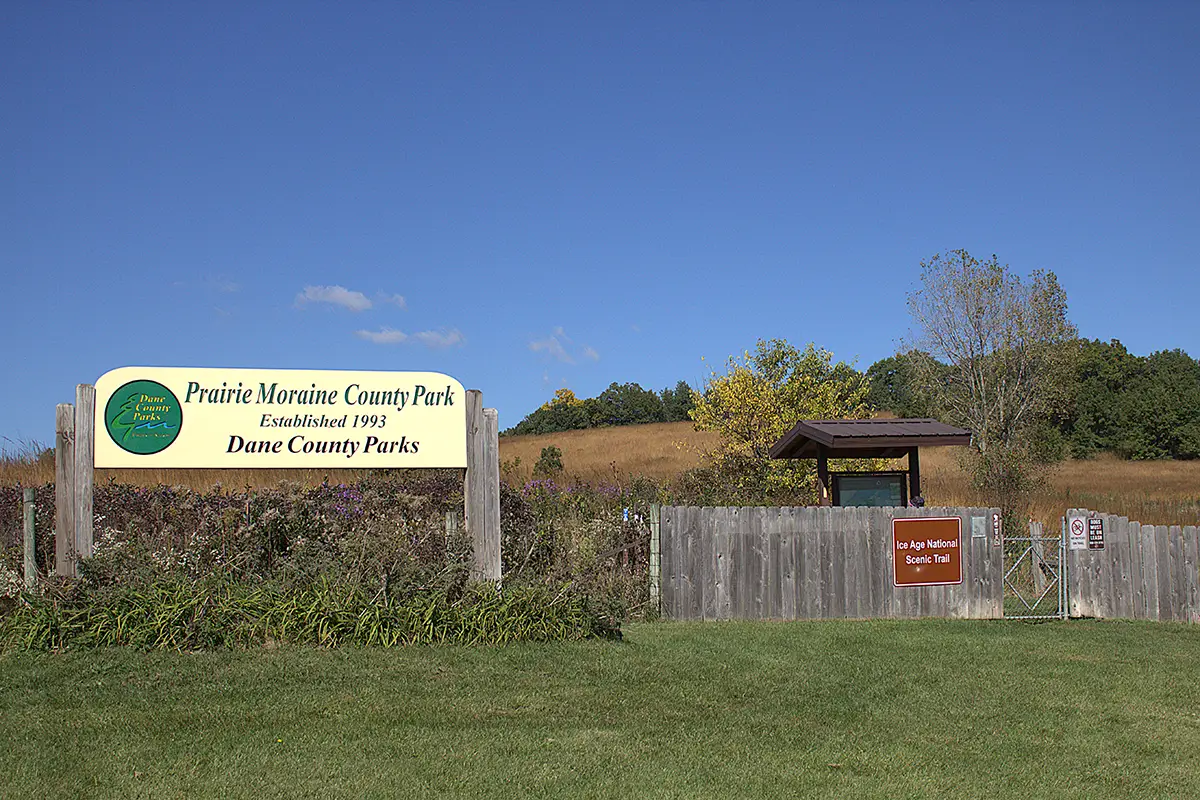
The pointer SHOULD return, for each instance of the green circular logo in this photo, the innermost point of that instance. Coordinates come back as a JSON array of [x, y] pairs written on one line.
[[143, 417]]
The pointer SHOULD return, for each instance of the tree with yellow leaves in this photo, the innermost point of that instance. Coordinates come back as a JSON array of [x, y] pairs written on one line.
[[758, 399]]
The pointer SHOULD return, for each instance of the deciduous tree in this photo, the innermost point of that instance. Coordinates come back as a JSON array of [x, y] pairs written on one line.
[[1008, 346], [758, 399]]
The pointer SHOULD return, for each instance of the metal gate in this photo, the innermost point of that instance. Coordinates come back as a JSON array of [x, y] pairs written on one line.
[[1035, 575]]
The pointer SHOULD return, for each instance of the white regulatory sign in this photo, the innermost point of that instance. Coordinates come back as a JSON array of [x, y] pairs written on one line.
[[1077, 533]]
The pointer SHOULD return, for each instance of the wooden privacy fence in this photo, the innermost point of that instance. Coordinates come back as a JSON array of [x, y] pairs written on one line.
[[1142, 572], [815, 563]]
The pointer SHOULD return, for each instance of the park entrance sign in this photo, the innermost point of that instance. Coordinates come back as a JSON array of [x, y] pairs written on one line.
[[173, 417], [184, 418]]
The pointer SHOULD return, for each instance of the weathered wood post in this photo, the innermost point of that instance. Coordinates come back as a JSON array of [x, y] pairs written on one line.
[[481, 491], [28, 498], [1037, 557], [824, 491], [655, 560], [64, 490], [85, 467]]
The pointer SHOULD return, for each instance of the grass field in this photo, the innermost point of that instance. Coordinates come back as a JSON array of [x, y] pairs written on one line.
[[1153, 492], [886, 709]]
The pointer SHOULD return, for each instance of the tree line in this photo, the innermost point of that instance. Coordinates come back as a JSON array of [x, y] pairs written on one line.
[[619, 404], [1108, 400]]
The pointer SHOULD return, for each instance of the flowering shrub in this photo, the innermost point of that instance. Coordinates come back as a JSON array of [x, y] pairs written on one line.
[[383, 531]]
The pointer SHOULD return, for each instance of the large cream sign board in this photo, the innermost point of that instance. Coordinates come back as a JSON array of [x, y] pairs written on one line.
[[239, 418]]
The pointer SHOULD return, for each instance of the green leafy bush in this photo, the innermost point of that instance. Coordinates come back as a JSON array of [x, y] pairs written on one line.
[[549, 463]]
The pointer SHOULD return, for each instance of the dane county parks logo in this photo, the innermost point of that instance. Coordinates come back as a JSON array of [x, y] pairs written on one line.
[[143, 417]]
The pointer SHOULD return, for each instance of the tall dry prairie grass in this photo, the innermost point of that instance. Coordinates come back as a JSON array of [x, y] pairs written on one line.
[[660, 451], [1153, 492]]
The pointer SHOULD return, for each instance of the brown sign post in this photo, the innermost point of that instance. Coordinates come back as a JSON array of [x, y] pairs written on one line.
[[927, 551]]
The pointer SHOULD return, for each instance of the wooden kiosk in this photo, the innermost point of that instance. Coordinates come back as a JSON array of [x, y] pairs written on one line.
[[867, 438]]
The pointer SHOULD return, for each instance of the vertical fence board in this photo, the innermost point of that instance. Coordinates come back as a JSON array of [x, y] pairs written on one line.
[[693, 589], [1114, 563], [1137, 581], [892, 596], [810, 580], [774, 536], [672, 569], [1149, 540], [1074, 575], [1081, 570], [971, 603], [1101, 584], [740, 568], [825, 542], [735, 558], [787, 573], [722, 545], [762, 565], [838, 558], [995, 571], [871, 566], [848, 552], [1101, 569], [666, 561], [1162, 554], [864, 590], [878, 522], [1166, 575], [1191, 557], [680, 572], [1122, 573], [1178, 575], [706, 562], [683, 542]]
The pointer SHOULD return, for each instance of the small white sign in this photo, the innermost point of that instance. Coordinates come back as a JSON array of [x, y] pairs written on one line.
[[978, 527], [1077, 533]]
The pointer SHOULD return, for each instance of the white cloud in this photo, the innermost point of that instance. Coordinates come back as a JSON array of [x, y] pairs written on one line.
[[394, 299], [562, 348], [434, 339], [334, 295], [441, 338], [552, 347], [383, 336]]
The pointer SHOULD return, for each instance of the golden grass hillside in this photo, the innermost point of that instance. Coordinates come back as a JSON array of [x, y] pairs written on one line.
[[659, 451], [1154, 492]]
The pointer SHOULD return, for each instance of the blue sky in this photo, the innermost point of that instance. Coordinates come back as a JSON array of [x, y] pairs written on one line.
[[527, 196]]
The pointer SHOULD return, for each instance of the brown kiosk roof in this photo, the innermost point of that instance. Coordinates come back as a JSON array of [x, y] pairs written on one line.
[[866, 438]]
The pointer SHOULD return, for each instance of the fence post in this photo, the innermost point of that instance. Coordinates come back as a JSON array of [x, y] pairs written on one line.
[[655, 560], [29, 496], [481, 490], [64, 490], [85, 467], [1062, 571], [1038, 559]]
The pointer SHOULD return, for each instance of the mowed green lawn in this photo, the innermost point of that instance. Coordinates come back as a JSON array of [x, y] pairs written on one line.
[[823, 709]]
